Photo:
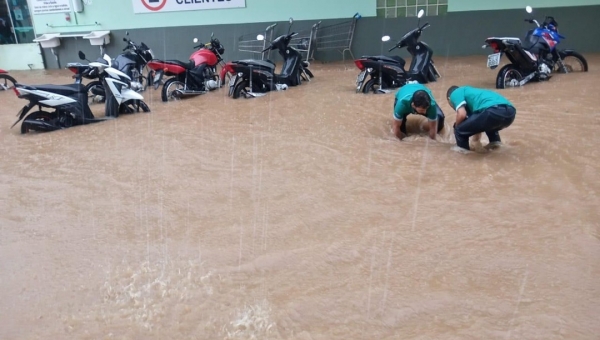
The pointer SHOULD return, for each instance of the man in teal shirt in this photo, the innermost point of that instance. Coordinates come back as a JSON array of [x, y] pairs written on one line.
[[416, 99], [477, 111]]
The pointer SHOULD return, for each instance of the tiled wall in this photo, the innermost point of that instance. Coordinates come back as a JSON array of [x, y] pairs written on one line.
[[410, 8]]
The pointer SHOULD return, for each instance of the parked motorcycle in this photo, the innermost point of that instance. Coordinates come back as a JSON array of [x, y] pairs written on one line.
[[5, 81], [387, 72], [254, 78], [69, 102], [194, 77], [535, 59], [132, 62]]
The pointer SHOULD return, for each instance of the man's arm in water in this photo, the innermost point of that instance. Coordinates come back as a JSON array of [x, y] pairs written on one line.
[[433, 126], [396, 124]]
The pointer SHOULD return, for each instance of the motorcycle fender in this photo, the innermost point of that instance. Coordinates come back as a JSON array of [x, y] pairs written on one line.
[[232, 83], [129, 94], [23, 112], [562, 53]]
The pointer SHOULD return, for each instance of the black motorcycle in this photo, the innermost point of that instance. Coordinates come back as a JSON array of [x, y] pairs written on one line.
[[132, 62], [534, 59], [254, 78], [387, 72]]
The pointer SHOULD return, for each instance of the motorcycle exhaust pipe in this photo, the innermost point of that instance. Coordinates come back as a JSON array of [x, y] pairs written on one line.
[[38, 125], [98, 91], [187, 93]]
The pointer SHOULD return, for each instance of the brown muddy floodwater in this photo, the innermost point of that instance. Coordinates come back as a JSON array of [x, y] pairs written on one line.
[[298, 216]]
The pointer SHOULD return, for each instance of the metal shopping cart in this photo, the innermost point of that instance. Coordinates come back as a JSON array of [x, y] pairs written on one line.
[[250, 43], [304, 42], [337, 36]]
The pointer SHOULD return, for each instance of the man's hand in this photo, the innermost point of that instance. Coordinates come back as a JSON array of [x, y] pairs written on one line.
[[396, 129]]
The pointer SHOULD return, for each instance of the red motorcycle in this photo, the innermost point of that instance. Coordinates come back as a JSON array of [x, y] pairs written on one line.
[[195, 77], [5, 79]]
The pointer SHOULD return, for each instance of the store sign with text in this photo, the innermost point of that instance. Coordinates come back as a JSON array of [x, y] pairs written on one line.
[[161, 6], [50, 6]]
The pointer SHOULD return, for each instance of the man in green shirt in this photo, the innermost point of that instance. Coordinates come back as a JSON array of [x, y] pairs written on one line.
[[416, 99], [477, 111]]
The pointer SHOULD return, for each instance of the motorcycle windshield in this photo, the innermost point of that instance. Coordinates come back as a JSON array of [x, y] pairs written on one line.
[[122, 62]]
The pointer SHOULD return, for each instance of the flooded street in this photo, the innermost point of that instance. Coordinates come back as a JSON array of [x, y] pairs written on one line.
[[299, 216]]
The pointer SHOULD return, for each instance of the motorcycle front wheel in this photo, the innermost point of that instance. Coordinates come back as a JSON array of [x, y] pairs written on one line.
[[5, 79], [566, 67]]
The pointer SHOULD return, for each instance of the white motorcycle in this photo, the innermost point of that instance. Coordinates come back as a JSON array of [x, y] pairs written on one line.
[[121, 98], [70, 102]]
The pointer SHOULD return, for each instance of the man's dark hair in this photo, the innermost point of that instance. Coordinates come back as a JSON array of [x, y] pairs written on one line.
[[421, 99], [450, 90]]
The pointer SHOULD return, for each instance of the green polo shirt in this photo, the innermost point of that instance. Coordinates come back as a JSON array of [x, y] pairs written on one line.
[[403, 102], [476, 100]]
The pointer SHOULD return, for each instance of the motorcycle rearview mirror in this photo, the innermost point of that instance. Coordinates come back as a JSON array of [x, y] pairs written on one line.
[[291, 22], [419, 15], [212, 35], [126, 32], [195, 40], [81, 55], [125, 39], [260, 37], [529, 9], [385, 38]]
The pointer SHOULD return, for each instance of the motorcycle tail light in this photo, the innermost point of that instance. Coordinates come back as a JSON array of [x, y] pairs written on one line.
[[359, 64]]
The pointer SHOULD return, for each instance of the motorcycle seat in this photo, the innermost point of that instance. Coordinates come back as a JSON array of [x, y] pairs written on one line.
[[76, 65], [65, 90], [186, 65], [511, 40], [393, 59], [253, 62]]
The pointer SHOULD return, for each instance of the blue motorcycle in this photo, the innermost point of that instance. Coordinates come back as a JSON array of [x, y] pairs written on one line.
[[534, 59]]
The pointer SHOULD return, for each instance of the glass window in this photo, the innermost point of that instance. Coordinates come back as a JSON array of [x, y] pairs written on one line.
[[15, 22], [409, 8]]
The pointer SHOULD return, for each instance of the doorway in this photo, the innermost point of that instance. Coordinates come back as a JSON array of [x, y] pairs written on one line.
[[15, 22]]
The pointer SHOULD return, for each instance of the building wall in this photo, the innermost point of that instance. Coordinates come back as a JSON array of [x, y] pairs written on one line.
[[455, 33], [118, 15], [479, 5]]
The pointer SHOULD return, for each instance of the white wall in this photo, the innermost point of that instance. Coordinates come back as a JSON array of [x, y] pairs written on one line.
[[21, 57]]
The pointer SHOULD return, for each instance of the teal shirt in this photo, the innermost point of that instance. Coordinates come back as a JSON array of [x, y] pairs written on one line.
[[475, 100], [403, 104]]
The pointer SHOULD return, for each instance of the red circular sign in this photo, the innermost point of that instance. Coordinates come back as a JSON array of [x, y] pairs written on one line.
[[157, 8]]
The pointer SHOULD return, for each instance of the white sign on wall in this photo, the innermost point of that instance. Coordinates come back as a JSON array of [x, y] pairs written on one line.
[[159, 6], [49, 6]]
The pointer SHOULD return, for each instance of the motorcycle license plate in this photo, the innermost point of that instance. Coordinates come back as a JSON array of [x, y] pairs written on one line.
[[361, 76], [493, 59]]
